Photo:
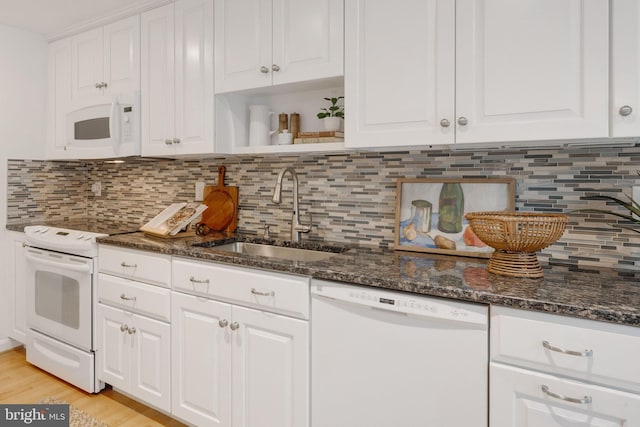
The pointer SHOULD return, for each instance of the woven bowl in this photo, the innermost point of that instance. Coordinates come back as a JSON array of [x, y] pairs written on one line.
[[516, 236]]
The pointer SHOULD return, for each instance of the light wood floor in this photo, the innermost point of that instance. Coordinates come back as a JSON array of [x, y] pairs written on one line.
[[21, 382]]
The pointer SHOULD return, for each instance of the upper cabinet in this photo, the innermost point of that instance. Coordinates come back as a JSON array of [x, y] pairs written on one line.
[[260, 43], [177, 79], [531, 70], [93, 90], [106, 61], [625, 68]]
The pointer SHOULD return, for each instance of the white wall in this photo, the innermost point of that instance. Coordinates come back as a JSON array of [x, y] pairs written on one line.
[[23, 91]]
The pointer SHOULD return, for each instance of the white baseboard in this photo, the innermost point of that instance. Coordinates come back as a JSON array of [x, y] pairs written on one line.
[[8, 344]]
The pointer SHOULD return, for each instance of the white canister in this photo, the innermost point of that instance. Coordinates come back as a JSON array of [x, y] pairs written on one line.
[[285, 138], [260, 131]]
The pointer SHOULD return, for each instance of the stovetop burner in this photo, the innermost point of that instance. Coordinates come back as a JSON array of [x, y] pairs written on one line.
[[77, 237]]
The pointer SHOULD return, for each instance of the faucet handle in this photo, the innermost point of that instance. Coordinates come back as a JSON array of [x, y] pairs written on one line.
[[266, 234], [305, 228]]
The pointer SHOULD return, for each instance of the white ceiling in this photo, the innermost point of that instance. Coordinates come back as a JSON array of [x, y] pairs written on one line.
[[50, 17]]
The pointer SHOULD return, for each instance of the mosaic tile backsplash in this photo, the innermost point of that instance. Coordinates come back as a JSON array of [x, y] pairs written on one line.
[[351, 196]]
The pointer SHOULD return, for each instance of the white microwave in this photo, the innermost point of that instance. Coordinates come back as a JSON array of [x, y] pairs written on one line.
[[104, 128]]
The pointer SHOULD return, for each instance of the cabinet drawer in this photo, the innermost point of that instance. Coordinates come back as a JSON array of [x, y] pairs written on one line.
[[594, 351], [138, 265], [280, 293], [526, 398], [134, 296]]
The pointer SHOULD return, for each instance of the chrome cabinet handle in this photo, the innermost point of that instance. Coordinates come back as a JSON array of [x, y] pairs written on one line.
[[124, 328], [445, 123], [126, 298], [625, 110], [176, 140], [275, 67], [125, 265], [582, 401], [223, 322], [463, 121], [194, 280], [264, 70], [234, 326], [585, 353], [261, 293], [131, 331]]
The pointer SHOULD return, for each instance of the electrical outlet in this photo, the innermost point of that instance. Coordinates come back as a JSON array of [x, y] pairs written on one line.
[[199, 191], [96, 189]]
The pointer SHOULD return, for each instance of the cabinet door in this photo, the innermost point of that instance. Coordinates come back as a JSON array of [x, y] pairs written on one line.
[[270, 369], [517, 399], [243, 40], [399, 73], [87, 65], [17, 279], [194, 77], [531, 70], [122, 56], [308, 40], [59, 102], [157, 81], [625, 68], [200, 361], [150, 362], [114, 346]]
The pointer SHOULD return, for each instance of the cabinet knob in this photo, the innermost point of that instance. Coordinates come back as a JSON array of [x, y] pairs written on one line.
[[176, 140], [131, 331], [275, 67], [445, 123], [625, 110], [98, 85], [462, 121], [223, 322], [124, 328], [264, 70], [104, 84], [168, 141], [234, 326]]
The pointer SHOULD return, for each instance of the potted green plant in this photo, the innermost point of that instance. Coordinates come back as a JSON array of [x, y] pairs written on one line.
[[633, 217], [332, 115]]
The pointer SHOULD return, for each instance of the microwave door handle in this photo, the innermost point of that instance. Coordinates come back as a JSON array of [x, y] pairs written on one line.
[[114, 131], [83, 268]]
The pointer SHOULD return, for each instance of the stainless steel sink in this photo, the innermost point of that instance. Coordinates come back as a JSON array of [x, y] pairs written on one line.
[[282, 252]]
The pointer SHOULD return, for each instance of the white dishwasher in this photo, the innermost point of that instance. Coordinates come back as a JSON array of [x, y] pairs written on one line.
[[391, 359]]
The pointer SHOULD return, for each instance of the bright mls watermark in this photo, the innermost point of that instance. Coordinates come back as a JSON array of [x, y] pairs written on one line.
[[41, 415]]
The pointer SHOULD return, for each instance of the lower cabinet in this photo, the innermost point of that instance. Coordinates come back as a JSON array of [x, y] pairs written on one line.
[[134, 355], [548, 370], [17, 283], [238, 366], [520, 397]]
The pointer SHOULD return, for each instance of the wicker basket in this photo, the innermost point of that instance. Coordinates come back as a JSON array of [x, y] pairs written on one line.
[[516, 236]]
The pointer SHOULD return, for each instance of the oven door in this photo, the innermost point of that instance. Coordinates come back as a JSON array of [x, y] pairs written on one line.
[[59, 296]]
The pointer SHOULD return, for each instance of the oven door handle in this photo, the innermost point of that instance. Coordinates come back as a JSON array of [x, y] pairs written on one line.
[[84, 268]]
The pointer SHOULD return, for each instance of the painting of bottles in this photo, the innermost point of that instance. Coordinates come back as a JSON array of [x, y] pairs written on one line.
[[430, 213]]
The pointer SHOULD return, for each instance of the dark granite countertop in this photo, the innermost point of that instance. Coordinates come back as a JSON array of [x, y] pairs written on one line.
[[591, 293]]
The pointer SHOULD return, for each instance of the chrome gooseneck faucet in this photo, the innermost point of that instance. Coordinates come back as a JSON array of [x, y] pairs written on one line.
[[297, 228]]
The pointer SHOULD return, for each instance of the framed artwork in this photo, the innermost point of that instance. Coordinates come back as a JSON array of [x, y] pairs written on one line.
[[430, 213]]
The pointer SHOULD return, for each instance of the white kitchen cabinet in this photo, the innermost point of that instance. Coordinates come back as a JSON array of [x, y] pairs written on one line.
[[17, 283], [233, 365], [133, 331], [549, 370], [59, 97], [625, 68], [134, 355], [522, 398], [177, 79], [106, 61], [533, 70], [260, 43]]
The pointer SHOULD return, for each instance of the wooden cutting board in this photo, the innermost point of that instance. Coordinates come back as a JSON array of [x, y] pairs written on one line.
[[222, 202]]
